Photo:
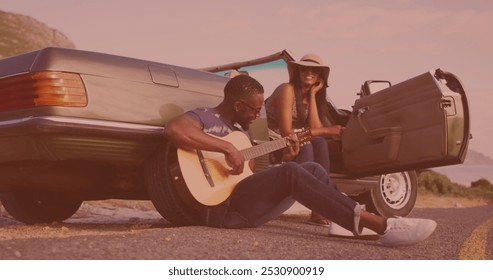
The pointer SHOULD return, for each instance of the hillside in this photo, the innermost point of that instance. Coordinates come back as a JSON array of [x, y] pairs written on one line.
[[477, 158], [19, 34]]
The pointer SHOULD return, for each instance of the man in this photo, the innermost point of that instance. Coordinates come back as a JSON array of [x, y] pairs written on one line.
[[265, 195]]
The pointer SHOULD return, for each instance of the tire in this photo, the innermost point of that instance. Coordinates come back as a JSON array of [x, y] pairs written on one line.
[[395, 195], [161, 175], [34, 207]]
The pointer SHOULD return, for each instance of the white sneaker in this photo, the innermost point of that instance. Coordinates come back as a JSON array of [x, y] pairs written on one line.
[[338, 231], [405, 231]]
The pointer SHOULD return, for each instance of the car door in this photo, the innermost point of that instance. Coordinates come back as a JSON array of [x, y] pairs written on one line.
[[420, 123]]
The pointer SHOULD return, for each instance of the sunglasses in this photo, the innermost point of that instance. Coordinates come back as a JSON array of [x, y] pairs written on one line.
[[256, 110], [306, 69]]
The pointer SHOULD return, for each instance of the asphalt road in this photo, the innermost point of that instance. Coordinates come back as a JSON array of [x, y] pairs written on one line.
[[462, 233]]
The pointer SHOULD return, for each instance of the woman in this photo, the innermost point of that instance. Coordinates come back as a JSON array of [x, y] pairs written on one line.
[[301, 104]]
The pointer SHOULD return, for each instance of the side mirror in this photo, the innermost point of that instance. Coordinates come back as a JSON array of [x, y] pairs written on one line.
[[373, 86]]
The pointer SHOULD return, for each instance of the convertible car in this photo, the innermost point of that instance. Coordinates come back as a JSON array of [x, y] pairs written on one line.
[[78, 126]]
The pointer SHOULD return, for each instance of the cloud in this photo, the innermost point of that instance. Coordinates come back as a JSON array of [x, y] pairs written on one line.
[[425, 26]]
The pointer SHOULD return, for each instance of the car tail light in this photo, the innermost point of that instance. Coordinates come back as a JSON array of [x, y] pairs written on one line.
[[42, 89]]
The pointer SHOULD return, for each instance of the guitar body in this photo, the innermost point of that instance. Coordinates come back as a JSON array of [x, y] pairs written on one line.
[[220, 185]]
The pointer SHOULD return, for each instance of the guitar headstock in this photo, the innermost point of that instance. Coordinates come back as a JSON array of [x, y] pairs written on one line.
[[302, 135]]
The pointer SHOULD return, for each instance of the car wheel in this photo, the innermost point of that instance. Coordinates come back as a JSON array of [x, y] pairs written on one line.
[[33, 206], [395, 195], [162, 174]]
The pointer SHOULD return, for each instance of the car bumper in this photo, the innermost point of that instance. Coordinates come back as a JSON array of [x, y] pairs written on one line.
[[57, 138]]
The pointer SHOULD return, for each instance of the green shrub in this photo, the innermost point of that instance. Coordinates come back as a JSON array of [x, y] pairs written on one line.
[[482, 184], [436, 183]]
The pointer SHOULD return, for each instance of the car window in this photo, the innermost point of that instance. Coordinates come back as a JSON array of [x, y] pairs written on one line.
[[270, 74]]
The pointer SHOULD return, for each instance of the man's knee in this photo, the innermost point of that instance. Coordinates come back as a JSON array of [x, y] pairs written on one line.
[[313, 168], [290, 166], [317, 171]]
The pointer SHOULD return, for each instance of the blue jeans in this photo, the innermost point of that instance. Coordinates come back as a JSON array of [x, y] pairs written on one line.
[[316, 151], [267, 194]]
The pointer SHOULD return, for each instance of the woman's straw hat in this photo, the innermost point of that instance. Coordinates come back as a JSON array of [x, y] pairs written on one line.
[[309, 60]]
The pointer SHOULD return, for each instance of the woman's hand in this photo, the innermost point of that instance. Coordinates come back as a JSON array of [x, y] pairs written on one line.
[[327, 131], [316, 87], [336, 130]]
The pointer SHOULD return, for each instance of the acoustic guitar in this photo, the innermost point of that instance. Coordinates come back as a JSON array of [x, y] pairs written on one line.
[[206, 174]]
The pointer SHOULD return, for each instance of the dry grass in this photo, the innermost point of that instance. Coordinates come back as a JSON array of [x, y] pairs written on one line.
[[435, 201]]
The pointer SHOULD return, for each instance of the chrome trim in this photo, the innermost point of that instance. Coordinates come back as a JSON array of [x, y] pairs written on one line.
[[83, 121], [50, 123], [284, 55]]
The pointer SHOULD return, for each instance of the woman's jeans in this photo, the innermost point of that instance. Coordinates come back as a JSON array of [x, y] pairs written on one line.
[[316, 151], [265, 195]]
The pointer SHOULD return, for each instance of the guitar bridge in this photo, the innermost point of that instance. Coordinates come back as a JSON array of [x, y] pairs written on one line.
[[205, 169]]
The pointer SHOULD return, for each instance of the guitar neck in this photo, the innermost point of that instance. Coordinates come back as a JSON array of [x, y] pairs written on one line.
[[264, 148]]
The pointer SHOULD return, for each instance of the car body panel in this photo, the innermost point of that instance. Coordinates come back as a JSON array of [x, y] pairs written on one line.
[[419, 123], [130, 101], [120, 82]]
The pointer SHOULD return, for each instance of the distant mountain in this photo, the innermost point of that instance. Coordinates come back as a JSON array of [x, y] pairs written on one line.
[[19, 34], [477, 158]]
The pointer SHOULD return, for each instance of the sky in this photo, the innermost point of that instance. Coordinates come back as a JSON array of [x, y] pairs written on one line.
[[359, 39]]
